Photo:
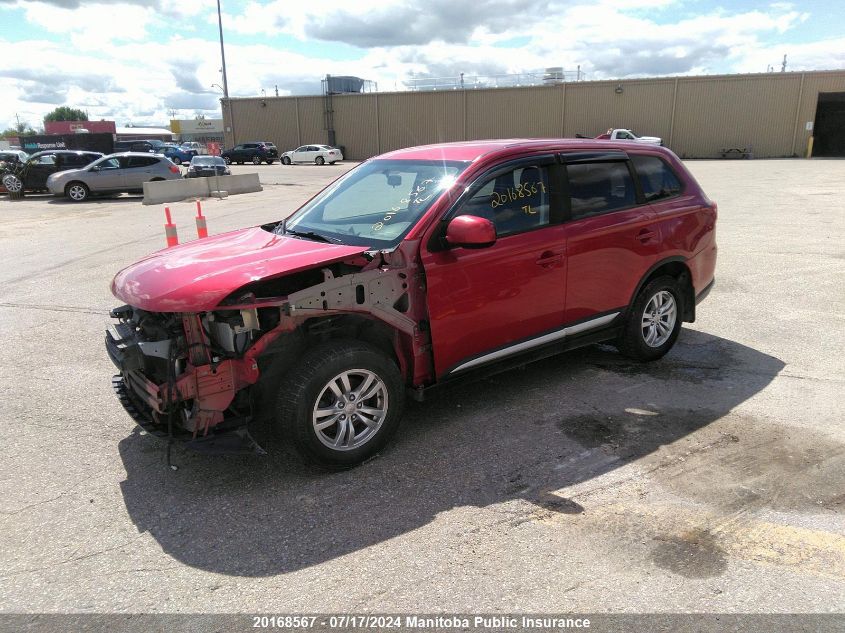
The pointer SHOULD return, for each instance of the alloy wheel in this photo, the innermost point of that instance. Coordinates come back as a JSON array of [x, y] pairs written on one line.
[[659, 318], [12, 183], [77, 193], [350, 409]]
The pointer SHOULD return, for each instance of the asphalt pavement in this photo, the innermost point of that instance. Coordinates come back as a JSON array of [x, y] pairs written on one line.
[[710, 481]]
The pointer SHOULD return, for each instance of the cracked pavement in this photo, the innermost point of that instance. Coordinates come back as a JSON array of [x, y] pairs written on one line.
[[711, 481]]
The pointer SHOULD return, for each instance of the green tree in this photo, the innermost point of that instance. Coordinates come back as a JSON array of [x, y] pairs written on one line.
[[65, 113], [21, 129]]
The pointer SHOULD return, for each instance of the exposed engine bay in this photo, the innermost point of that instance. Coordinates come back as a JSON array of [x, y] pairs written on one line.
[[195, 376]]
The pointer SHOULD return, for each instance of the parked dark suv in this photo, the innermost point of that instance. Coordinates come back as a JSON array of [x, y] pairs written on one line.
[[32, 174], [416, 268], [133, 146], [255, 152]]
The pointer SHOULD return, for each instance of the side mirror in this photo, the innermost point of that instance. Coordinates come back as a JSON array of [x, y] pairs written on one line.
[[394, 180], [96, 168], [470, 231]]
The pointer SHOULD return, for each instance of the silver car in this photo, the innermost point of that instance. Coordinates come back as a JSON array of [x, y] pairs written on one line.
[[115, 173]]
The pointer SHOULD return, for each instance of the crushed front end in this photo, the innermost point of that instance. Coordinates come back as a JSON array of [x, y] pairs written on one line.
[[188, 376]]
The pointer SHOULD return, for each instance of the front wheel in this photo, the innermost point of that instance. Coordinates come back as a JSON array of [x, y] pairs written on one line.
[[176, 160], [14, 185], [286, 160], [342, 404], [228, 160], [77, 191], [654, 320], [320, 160], [256, 160]]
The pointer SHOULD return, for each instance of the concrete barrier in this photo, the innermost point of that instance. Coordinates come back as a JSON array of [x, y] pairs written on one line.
[[175, 190]]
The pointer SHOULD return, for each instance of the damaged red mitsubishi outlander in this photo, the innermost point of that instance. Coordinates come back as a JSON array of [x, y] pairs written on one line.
[[418, 267]]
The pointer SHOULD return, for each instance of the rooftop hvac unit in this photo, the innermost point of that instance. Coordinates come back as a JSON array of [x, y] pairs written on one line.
[[553, 75], [344, 85]]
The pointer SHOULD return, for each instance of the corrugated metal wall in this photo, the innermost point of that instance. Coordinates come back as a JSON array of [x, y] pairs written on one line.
[[696, 116]]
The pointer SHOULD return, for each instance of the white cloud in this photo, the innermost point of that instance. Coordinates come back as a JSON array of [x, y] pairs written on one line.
[[115, 62]]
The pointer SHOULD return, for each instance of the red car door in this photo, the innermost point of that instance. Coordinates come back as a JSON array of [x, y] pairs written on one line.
[[612, 237], [488, 303]]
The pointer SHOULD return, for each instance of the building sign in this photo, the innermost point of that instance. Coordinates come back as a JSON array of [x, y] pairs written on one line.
[[72, 127], [92, 142], [196, 126]]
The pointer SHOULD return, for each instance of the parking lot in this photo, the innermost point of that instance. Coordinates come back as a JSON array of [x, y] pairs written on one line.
[[713, 480]]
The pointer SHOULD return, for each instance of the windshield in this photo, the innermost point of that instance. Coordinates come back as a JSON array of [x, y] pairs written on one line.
[[207, 160], [377, 203]]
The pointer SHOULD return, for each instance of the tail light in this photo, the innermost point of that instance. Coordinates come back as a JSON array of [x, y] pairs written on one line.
[[174, 169]]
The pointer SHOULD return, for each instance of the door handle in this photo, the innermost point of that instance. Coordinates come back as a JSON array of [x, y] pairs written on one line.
[[645, 235], [549, 259]]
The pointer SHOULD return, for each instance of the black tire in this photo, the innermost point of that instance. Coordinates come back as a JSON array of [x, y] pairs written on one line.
[[632, 342], [240, 162], [286, 160], [269, 162], [176, 160], [320, 160], [304, 384], [77, 191], [256, 160], [228, 160]]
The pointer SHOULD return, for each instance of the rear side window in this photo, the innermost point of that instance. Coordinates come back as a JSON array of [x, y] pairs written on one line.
[[656, 178], [597, 188], [141, 161], [76, 160]]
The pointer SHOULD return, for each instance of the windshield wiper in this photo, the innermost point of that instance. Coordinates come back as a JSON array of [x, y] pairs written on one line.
[[311, 235]]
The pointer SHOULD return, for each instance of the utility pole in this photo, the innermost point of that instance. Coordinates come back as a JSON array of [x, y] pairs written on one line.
[[783, 66], [222, 52], [277, 90]]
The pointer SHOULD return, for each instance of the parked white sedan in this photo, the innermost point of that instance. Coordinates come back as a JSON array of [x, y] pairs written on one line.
[[317, 154]]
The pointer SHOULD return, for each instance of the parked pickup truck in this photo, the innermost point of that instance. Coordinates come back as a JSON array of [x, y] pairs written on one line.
[[621, 134], [416, 268]]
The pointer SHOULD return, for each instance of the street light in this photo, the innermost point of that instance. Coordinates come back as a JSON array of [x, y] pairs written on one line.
[[217, 86], [222, 52]]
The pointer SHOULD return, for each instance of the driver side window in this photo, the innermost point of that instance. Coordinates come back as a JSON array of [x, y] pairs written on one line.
[[515, 201]]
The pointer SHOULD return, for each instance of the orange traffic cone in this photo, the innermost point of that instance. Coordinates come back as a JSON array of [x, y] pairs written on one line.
[[202, 229], [170, 230]]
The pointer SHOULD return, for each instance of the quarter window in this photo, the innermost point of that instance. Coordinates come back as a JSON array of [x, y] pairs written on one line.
[[515, 201], [596, 188], [656, 178]]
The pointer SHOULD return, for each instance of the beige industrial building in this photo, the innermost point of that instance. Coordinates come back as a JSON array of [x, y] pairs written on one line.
[[768, 115]]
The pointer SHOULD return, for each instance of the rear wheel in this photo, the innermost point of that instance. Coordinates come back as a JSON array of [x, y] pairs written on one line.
[[286, 160], [342, 403], [269, 162], [320, 160], [228, 160], [176, 160], [654, 320], [77, 191], [256, 160]]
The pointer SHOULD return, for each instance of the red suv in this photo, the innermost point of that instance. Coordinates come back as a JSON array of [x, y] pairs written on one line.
[[416, 268]]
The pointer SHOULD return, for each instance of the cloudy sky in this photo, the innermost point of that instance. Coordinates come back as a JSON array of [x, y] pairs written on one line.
[[139, 60]]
